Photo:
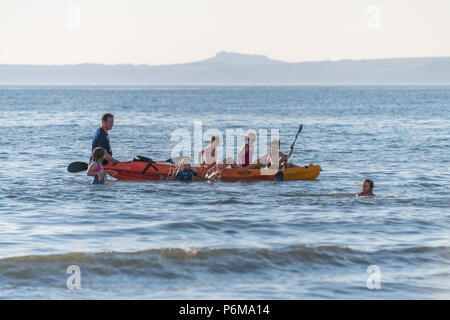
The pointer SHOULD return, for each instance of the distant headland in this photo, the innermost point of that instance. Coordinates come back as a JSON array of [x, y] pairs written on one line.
[[228, 68]]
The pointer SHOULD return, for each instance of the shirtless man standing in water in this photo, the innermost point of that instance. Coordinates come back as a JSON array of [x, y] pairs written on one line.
[[366, 189]]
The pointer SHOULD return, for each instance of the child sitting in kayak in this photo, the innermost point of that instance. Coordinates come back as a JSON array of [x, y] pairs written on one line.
[[186, 174], [96, 169], [271, 157], [209, 153], [366, 189], [245, 155]]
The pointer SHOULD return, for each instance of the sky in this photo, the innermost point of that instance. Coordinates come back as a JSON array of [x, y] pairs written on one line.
[[155, 32]]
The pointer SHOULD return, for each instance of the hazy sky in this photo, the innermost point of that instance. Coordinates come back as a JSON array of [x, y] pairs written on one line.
[[175, 31]]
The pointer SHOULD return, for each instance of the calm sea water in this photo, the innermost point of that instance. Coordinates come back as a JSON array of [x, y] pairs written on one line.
[[290, 240]]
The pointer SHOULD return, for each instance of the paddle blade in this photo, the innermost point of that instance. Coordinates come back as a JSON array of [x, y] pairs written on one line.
[[278, 176], [77, 167]]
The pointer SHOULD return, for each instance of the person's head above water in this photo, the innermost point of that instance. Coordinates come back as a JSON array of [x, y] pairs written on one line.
[[186, 164], [107, 121], [366, 187], [98, 154]]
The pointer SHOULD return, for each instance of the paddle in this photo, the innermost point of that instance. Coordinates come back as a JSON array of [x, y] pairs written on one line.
[[279, 176], [77, 166]]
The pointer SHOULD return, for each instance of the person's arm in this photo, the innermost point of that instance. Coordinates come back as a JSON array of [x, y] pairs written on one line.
[[200, 155], [198, 176], [201, 177], [109, 158], [282, 155], [263, 160], [110, 172], [91, 169], [171, 178], [241, 156]]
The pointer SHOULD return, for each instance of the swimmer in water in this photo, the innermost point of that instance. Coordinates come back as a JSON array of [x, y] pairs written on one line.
[[185, 173], [366, 189]]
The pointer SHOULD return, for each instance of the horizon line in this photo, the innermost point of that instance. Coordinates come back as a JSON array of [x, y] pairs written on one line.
[[229, 52], [350, 84]]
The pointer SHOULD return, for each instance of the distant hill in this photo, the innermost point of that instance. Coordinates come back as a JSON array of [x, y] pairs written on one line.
[[236, 69]]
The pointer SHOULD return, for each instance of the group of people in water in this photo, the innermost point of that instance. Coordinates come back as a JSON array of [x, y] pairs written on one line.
[[102, 154]]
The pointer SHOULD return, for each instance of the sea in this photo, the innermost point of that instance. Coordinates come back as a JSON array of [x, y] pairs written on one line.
[[63, 238]]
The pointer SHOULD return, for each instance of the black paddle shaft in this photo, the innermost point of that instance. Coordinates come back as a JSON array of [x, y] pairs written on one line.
[[293, 143], [279, 175]]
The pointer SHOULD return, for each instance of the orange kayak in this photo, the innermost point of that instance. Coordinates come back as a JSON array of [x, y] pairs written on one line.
[[143, 171]]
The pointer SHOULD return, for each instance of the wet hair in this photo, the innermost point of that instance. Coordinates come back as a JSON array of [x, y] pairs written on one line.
[[370, 182], [98, 154], [106, 116]]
